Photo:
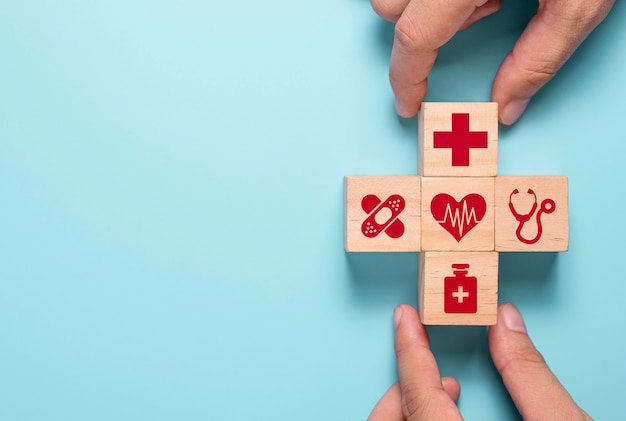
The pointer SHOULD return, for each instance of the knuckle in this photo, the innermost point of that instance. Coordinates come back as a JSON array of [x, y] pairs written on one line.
[[408, 35], [525, 360], [414, 405], [541, 72], [590, 12], [430, 405], [536, 71], [581, 14]]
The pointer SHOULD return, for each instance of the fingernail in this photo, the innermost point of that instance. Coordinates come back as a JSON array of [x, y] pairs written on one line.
[[400, 108], [512, 111], [397, 316], [512, 319]]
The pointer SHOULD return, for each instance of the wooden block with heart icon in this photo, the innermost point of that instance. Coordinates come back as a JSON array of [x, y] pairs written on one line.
[[382, 213], [458, 214]]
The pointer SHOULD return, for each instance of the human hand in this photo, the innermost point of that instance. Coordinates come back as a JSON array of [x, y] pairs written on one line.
[[423, 26], [422, 394]]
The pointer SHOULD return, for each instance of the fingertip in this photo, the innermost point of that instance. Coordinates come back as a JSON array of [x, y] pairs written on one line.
[[408, 88], [513, 110], [508, 325], [511, 318], [397, 316], [388, 10], [404, 110], [452, 387], [405, 314], [504, 336]]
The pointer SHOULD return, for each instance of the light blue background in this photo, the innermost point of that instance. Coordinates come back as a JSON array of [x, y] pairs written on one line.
[[171, 204]]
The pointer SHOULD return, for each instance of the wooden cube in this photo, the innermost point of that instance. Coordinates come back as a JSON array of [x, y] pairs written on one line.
[[531, 213], [458, 288], [458, 214], [458, 139], [382, 213]]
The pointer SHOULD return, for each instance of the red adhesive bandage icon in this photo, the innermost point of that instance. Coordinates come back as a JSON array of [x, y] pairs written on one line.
[[382, 216], [460, 291]]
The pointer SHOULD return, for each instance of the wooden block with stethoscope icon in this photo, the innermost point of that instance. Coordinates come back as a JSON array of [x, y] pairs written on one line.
[[531, 213], [457, 212]]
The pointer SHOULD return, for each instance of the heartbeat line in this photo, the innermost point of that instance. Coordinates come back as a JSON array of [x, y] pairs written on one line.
[[458, 219]]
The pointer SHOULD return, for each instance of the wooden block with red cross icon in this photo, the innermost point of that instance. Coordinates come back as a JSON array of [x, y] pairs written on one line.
[[531, 213], [458, 288], [458, 139], [458, 213], [382, 213]]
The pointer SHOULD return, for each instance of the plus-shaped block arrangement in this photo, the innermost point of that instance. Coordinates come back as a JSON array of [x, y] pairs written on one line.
[[457, 212]]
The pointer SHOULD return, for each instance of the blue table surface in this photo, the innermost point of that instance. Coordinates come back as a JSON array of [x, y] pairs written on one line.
[[171, 211]]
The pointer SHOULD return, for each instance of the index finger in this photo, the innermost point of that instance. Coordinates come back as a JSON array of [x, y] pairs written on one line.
[[423, 27]]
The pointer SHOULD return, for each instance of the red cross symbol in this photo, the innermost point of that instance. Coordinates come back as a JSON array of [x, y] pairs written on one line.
[[460, 294], [460, 291], [460, 140]]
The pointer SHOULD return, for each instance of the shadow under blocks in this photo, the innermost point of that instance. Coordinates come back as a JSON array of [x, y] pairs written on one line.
[[457, 212]]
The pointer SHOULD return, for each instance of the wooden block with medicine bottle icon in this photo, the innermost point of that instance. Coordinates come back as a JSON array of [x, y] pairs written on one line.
[[458, 288]]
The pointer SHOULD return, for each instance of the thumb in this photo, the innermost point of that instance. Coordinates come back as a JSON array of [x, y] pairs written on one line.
[[535, 390], [550, 38], [424, 396]]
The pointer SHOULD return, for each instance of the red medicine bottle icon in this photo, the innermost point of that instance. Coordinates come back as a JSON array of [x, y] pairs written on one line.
[[460, 291]]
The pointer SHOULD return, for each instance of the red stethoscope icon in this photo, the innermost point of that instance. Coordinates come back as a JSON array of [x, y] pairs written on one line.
[[547, 206]]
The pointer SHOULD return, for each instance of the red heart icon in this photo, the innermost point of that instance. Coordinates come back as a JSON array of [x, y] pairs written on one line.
[[458, 218]]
